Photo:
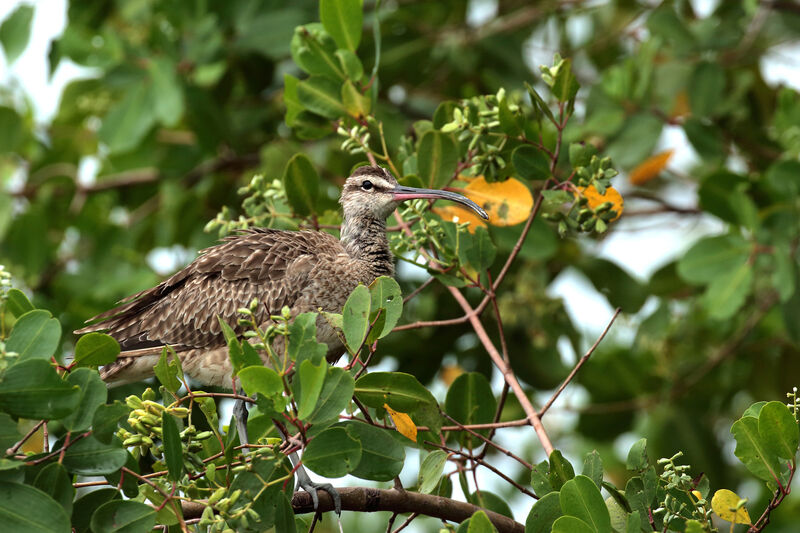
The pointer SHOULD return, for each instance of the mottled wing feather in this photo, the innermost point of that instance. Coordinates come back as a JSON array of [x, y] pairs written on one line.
[[182, 311]]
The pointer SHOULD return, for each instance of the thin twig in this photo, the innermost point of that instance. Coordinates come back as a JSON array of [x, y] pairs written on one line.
[[579, 364]]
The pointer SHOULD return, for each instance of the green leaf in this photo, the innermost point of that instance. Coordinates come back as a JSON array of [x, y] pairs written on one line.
[[481, 251], [636, 141], [727, 293], [778, 430], [356, 104], [311, 378], [621, 289], [261, 380], [543, 513], [35, 335], [12, 130], [350, 63], [706, 88], [510, 123], [301, 183], [565, 86], [314, 51], [385, 294], [169, 102], [9, 434], [16, 301], [123, 516], [303, 344], [479, 523], [593, 467], [168, 372], [355, 317], [15, 32], [403, 392], [129, 120], [581, 498], [54, 481], [290, 99], [561, 470], [712, 257], [491, 501], [707, 140], [25, 508], [90, 457], [33, 389], [540, 479], [334, 397], [321, 96], [173, 450], [530, 162], [284, 515], [332, 453], [382, 457], [637, 456], [93, 394], [105, 420], [570, 524], [470, 400], [580, 154], [343, 20], [431, 471], [752, 451], [85, 506], [96, 349], [437, 157]]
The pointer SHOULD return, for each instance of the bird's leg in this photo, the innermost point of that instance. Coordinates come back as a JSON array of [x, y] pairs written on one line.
[[304, 481], [240, 413]]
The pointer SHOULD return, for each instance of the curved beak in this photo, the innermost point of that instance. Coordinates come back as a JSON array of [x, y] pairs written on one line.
[[401, 192]]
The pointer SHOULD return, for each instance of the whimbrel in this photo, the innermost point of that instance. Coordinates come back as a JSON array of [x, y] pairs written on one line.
[[304, 270]]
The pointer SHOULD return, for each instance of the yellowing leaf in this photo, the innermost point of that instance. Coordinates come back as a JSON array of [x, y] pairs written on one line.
[[507, 202], [595, 199], [725, 503], [403, 423], [650, 167], [449, 373], [681, 107], [457, 214], [35, 443]]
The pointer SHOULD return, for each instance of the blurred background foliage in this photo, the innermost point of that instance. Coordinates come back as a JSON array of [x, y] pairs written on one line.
[[182, 104]]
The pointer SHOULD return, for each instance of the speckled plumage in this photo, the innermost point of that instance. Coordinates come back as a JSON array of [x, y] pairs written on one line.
[[304, 270]]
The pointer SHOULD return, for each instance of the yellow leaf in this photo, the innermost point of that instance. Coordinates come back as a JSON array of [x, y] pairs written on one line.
[[405, 426], [507, 202], [650, 167], [725, 504], [449, 373], [595, 199], [35, 443]]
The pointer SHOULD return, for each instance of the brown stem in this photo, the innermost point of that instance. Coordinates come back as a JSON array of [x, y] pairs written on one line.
[[505, 369], [370, 500]]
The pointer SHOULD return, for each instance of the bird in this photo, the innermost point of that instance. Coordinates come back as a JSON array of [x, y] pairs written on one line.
[[302, 270]]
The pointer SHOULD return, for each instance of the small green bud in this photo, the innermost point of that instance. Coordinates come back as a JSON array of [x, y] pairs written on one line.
[[149, 394]]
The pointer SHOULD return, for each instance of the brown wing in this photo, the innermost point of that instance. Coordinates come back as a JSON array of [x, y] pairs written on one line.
[[270, 265]]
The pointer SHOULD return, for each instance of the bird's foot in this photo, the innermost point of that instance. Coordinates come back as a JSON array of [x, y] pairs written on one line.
[[304, 482], [240, 413]]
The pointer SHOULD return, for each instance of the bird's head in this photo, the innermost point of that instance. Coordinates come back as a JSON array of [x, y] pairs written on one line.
[[373, 191]]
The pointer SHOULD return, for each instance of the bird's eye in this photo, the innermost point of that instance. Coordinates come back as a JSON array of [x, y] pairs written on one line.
[[366, 185]]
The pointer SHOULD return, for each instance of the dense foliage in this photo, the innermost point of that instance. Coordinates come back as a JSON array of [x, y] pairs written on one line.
[[207, 117]]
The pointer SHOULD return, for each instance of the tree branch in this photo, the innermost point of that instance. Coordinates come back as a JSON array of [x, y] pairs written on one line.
[[370, 500]]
